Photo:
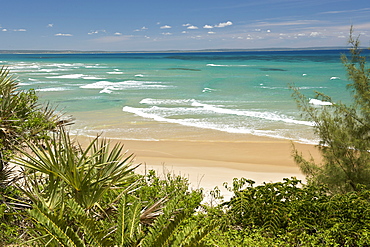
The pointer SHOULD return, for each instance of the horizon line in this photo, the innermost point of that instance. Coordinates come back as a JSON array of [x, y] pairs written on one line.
[[69, 51]]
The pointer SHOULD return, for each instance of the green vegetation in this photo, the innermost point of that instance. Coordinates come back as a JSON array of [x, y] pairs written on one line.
[[293, 214], [68, 195], [344, 131], [22, 119]]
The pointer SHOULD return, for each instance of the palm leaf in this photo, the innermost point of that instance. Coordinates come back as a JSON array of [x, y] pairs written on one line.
[[128, 230], [88, 174], [163, 233], [90, 227], [56, 229]]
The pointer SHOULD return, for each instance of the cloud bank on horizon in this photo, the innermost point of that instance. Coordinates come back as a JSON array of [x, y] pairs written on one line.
[[162, 25]]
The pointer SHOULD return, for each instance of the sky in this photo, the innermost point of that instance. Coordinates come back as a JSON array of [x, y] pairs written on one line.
[[160, 25]]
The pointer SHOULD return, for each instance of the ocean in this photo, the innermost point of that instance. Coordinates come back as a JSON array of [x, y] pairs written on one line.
[[190, 96]]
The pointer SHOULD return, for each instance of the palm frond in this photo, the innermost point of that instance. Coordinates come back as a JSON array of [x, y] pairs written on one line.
[[55, 228], [88, 173], [128, 230], [163, 233]]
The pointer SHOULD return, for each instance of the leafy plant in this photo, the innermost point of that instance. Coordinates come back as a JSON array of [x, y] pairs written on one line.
[[22, 119], [59, 169], [297, 215], [92, 197], [344, 131]]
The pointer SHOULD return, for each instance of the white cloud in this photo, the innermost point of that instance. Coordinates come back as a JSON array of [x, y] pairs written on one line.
[[186, 25], [20, 30], [208, 26], [167, 33], [141, 29], [96, 32], [117, 33], [50, 25], [184, 32], [63, 34], [4, 30], [192, 27], [224, 24], [165, 27], [315, 34], [210, 32], [268, 31]]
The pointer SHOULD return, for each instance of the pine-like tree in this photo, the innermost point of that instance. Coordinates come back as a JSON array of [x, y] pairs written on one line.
[[343, 129]]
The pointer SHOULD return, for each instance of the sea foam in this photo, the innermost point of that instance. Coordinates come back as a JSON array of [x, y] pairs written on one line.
[[70, 76], [150, 101], [159, 114], [319, 102], [52, 89], [255, 114], [114, 72], [226, 65], [125, 85]]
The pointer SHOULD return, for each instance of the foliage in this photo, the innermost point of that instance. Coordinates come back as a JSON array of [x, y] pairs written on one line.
[[92, 197], [59, 168], [12, 215], [344, 131], [22, 119], [234, 237], [153, 188], [296, 214]]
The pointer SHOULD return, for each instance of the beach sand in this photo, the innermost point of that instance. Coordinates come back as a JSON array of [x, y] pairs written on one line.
[[211, 163]]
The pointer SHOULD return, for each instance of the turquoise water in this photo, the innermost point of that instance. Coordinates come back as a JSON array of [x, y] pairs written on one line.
[[181, 95]]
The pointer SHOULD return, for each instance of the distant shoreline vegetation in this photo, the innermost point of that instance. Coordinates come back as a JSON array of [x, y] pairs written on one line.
[[168, 51]]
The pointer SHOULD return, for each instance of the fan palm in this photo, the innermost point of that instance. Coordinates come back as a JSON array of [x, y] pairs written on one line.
[[59, 168], [68, 184]]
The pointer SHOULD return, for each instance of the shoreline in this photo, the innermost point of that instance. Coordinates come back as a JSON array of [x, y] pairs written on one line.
[[208, 164]]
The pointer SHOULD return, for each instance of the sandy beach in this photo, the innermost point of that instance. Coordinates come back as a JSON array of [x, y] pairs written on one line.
[[211, 163]]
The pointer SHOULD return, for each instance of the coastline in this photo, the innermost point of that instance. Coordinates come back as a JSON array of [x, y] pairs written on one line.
[[208, 164]]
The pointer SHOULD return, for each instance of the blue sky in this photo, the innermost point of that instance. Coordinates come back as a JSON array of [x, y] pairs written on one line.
[[149, 25]]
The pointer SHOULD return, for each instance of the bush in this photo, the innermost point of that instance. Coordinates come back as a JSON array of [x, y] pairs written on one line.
[[299, 214]]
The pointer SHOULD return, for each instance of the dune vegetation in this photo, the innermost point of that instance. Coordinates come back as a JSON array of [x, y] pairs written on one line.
[[55, 192]]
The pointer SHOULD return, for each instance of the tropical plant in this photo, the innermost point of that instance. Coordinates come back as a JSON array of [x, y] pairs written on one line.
[[128, 226], [92, 197], [60, 168], [22, 118], [343, 129]]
